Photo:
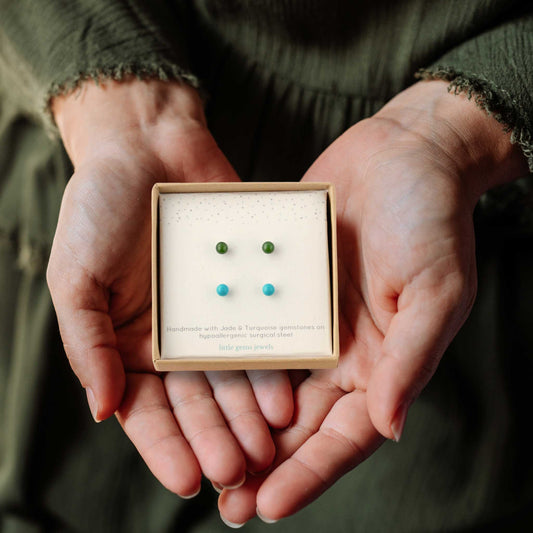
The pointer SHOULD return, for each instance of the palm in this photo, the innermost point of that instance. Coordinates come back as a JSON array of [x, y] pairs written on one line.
[[406, 283], [183, 424]]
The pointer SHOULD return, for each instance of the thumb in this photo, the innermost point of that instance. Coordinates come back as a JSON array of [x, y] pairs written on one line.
[[199, 159], [88, 336], [215, 168], [418, 334]]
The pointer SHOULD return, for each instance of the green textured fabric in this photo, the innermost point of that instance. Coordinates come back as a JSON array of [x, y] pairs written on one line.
[[49, 47], [283, 79], [470, 68]]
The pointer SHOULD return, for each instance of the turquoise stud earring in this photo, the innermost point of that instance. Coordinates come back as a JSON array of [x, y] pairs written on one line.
[[268, 247], [221, 247], [268, 289], [222, 289]]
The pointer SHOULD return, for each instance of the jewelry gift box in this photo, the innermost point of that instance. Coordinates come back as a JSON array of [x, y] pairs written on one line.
[[244, 276]]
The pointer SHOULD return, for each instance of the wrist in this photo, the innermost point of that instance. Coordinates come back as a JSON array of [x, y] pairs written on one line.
[[474, 144], [97, 115]]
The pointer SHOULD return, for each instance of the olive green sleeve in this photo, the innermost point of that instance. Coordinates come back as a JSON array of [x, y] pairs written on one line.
[[48, 47], [496, 69]]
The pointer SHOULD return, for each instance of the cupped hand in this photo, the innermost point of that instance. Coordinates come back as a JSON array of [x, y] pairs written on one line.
[[122, 138], [407, 181]]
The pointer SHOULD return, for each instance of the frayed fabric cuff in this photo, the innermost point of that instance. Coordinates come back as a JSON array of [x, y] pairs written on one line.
[[496, 101], [142, 71]]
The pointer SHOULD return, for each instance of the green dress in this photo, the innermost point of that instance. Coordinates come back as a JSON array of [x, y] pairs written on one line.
[[282, 80]]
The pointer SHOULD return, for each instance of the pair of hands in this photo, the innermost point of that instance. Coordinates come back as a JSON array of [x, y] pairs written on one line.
[[407, 181]]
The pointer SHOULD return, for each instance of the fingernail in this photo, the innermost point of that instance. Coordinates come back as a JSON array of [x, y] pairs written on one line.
[[262, 472], [93, 404], [399, 421], [219, 488], [236, 486], [264, 518], [191, 496], [231, 524]]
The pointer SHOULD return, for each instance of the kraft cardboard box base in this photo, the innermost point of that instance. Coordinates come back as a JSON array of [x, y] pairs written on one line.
[[196, 325]]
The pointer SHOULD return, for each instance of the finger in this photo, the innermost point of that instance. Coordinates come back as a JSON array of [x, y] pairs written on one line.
[[134, 341], [427, 320], [205, 429], [240, 505], [203, 161], [296, 377], [313, 399], [360, 339], [146, 418], [273, 392], [236, 400], [88, 335], [216, 167], [345, 439]]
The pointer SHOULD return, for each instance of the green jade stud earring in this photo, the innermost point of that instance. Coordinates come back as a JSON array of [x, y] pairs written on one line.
[[268, 247], [221, 247]]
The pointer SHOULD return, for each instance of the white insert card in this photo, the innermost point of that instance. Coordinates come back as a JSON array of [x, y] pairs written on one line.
[[198, 321]]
